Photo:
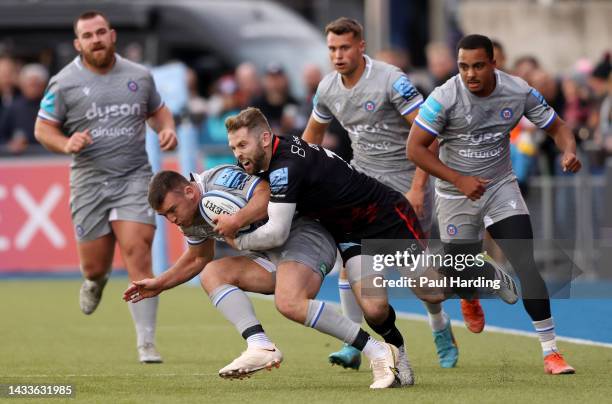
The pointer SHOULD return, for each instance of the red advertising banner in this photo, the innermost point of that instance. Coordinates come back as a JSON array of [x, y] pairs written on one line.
[[36, 232]]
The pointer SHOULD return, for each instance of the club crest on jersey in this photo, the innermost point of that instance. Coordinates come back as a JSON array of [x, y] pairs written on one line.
[[132, 86], [451, 230], [369, 106], [506, 113]]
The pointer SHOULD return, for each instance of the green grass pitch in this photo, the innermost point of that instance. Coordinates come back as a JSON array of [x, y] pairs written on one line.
[[44, 338]]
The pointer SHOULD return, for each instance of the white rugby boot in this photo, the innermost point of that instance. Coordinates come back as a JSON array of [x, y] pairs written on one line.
[[385, 369], [252, 360], [147, 353]]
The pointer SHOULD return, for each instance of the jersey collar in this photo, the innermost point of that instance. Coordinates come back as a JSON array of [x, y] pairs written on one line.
[[275, 143]]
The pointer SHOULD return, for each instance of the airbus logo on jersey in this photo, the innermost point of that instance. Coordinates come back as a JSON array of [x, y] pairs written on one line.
[[481, 154], [111, 111]]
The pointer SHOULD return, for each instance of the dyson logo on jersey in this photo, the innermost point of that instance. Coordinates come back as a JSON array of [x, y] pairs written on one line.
[[480, 138], [378, 127], [111, 111]]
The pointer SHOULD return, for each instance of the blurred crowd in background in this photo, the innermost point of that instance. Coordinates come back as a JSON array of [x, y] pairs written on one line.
[[582, 98]]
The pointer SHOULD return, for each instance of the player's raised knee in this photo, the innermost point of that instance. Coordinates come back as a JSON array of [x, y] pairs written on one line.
[[215, 274]]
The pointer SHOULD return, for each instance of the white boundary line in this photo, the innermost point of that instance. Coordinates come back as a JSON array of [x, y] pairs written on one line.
[[488, 328]]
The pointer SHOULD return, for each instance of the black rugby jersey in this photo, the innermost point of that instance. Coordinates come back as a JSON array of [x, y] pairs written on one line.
[[325, 187]]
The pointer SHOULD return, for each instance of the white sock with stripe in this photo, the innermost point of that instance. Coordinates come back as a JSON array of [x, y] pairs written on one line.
[[546, 334], [236, 307], [348, 302]]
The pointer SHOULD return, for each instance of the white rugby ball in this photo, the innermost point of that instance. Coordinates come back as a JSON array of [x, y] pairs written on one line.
[[216, 202]]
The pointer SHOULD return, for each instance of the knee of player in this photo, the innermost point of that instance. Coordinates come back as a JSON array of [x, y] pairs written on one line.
[[136, 248], [375, 311], [287, 306], [94, 270], [433, 296], [214, 275]]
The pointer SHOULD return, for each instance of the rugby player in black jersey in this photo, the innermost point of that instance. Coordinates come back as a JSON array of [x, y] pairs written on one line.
[[312, 181]]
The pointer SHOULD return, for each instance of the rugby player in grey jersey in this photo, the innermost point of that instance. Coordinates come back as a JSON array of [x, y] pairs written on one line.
[[471, 116], [376, 103], [293, 271], [95, 109]]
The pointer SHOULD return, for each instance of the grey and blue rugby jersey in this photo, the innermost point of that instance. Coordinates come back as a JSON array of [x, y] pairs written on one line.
[[474, 132], [372, 112], [114, 107], [229, 178]]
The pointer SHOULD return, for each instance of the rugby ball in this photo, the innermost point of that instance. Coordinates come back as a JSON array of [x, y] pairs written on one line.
[[214, 203]]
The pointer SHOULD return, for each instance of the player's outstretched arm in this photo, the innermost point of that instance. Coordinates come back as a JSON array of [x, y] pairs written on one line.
[[564, 139], [162, 122], [272, 234], [49, 134], [417, 150], [190, 264], [255, 210], [315, 131]]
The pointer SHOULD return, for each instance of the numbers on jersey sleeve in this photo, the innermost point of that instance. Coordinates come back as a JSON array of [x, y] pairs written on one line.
[[298, 150]]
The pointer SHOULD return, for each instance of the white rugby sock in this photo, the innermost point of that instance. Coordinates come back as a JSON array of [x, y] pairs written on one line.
[[144, 314], [348, 302], [236, 307], [374, 349], [438, 319], [546, 334], [260, 340]]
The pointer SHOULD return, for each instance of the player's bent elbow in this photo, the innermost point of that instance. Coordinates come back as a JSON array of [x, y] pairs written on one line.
[[411, 152], [278, 239]]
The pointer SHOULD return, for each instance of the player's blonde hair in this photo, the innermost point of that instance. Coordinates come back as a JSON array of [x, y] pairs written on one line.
[[250, 118]]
